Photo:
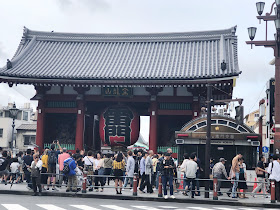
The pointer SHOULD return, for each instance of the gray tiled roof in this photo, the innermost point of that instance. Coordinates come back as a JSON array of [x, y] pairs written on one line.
[[161, 56], [27, 127]]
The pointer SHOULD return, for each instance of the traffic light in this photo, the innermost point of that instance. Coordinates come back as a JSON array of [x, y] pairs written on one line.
[[239, 110]]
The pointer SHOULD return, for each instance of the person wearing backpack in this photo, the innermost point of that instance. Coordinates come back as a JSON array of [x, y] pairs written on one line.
[[274, 171], [36, 167], [89, 168], [52, 161], [69, 170], [108, 163]]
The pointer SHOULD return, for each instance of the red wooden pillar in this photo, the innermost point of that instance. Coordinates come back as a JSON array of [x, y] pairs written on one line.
[[79, 142], [40, 125], [153, 127]]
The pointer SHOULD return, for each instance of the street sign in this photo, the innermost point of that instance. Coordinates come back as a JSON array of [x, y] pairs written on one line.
[[265, 149]]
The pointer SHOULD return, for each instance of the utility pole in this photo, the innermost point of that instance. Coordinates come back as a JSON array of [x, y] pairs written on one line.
[[208, 139]]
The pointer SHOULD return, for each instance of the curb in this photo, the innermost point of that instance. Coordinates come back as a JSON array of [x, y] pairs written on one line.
[[122, 197]]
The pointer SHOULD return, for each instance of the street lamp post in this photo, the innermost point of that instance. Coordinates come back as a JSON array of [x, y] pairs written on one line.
[[275, 45], [13, 112]]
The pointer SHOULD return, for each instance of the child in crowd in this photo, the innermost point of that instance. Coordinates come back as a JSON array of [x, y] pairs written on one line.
[[15, 167]]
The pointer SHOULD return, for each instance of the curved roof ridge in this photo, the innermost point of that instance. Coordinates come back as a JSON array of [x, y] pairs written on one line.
[[28, 34], [192, 122]]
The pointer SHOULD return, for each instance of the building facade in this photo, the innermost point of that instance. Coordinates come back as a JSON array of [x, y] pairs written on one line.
[[92, 88], [25, 115], [26, 136]]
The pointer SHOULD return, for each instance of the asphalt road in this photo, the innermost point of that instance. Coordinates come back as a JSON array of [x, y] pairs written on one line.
[[22, 202]]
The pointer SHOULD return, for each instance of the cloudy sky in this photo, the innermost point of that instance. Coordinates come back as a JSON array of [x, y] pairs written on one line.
[[133, 16]]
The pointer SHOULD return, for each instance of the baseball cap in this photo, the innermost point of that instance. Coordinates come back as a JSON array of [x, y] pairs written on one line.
[[222, 159]]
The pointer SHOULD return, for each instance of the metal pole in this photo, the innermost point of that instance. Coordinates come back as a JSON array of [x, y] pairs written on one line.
[[208, 140], [277, 104], [13, 126], [261, 133]]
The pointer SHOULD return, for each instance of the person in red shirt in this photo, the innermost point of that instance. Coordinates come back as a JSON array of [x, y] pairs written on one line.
[[61, 158]]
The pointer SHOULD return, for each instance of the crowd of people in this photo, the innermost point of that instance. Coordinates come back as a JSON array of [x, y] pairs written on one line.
[[57, 167]]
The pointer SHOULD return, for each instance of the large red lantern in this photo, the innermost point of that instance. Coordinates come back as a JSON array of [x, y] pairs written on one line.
[[119, 126]]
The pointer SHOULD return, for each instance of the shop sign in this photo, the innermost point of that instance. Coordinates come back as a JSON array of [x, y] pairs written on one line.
[[219, 142], [117, 91]]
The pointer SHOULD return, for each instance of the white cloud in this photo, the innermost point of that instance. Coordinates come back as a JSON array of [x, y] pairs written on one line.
[[87, 5]]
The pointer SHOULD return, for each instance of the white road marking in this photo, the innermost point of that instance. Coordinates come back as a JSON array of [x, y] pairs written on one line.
[[145, 207], [50, 207], [14, 206], [168, 207], [198, 208], [247, 209], [84, 207], [115, 207], [223, 208]]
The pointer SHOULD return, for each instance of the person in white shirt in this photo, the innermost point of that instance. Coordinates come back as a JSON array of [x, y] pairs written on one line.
[[15, 167], [36, 167], [89, 162], [190, 170], [183, 170], [274, 171]]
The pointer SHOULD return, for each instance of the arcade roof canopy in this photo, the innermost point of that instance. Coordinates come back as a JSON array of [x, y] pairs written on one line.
[[222, 128], [164, 57]]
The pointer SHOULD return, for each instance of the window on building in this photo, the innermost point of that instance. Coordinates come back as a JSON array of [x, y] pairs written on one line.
[[257, 115], [25, 116], [29, 140], [7, 114], [1, 114], [1, 132]]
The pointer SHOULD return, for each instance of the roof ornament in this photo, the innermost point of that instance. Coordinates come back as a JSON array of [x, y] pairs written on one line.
[[9, 64], [25, 32], [223, 65]]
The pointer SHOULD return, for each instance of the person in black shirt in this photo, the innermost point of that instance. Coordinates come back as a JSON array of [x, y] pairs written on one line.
[[260, 171], [167, 167], [3, 167], [27, 160]]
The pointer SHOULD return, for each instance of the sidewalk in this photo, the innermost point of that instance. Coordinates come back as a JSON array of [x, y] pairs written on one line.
[[109, 193]]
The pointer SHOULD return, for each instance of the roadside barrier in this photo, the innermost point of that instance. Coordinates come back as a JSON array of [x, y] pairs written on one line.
[[159, 186], [84, 183], [215, 192], [135, 184], [272, 191], [84, 180]]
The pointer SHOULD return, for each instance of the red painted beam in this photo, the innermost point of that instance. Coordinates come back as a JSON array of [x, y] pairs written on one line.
[[183, 135]]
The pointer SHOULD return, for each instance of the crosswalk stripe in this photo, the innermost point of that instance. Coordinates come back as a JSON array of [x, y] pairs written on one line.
[[168, 207], [247, 209], [84, 207], [50, 207], [223, 208], [14, 206], [115, 207], [198, 208], [145, 207]]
